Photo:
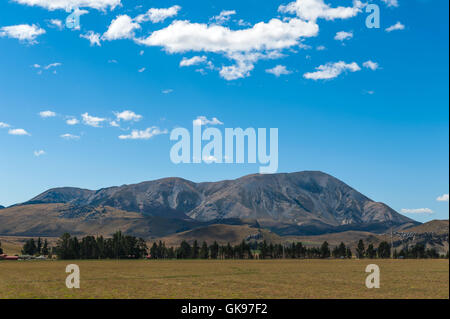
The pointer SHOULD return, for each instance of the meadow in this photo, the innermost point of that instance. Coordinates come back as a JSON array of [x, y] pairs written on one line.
[[225, 279]]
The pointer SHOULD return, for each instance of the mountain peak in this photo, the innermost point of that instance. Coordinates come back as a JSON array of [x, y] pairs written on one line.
[[284, 202]]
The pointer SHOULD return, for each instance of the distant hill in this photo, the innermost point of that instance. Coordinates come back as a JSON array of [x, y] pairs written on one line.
[[435, 226], [1, 207], [302, 203], [223, 234]]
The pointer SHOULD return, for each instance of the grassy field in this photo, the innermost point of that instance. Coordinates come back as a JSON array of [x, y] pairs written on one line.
[[225, 279]]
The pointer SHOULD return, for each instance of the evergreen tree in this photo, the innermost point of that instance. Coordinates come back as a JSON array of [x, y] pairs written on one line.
[[195, 250], [45, 249], [1, 250], [348, 253], [204, 254], [29, 248], [214, 250], [370, 253], [384, 250], [360, 250], [184, 251], [39, 246], [324, 250]]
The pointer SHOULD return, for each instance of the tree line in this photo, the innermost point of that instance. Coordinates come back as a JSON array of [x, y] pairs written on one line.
[[122, 246]]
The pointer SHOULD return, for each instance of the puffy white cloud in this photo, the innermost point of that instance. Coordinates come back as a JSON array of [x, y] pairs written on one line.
[[395, 27], [416, 211], [68, 136], [92, 120], [45, 114], [245, 46], [203, 120], [158, 15], [371, 65], [93, 37], [193, 61], [127, 116], [443, 198], [72, 121], [18, 131], [391, 3], [331, 70], [279, 70], [39, 153], [4, 125], [143, 134], [22, 32], [71, 4], [167, 91], [141, 70], [122, 27], [311, 10], [223, 17], [321, 48], [183, 36], [343, 35]]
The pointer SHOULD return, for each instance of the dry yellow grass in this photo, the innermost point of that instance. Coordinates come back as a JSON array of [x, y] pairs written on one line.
[[226, 279]]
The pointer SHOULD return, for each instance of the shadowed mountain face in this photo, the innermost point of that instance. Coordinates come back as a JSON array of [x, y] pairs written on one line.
[[1, 207], [295, 203]]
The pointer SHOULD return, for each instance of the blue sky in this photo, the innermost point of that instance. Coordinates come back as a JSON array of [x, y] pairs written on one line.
[[369, 106]]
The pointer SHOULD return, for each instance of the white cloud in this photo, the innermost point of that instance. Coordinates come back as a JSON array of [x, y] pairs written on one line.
[[52, 65], [183, 36], [22, 32], [391, 3], [331, 70], [72, 4], [245, 46], [223, 17], [343, 35], [158, 15], [94, 38], [279, 70], [18, 131], [193, 61], [311, 10], [395, 27], [321, 48], [72, 121], [92, 120], [122, 27], [141, 52], [143, 134], [203, 120], [443, 198], [4, 125], [39, 153], [68, 136], [244, 64], [45, 114], [371, 65], [141, 70], [416, 211], [166, 91], [56, 23], [127, 116]]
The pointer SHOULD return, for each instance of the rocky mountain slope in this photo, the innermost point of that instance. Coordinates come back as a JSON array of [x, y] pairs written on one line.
[[303, 203]]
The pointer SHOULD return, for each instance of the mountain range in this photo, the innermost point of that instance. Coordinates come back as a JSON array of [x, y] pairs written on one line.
[[301, 203]]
